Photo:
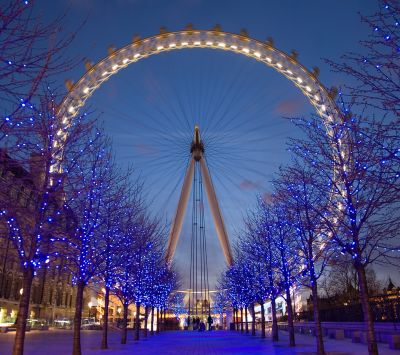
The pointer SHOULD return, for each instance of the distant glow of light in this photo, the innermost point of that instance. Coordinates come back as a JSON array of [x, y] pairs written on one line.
[[197, 43], [257, 54], [137, 55], [209, 43], [71, 109], [323, 107], [246, 50], [268, 59], [222, 44], [185, 43], [308, 88], [172, 45], [279, 65], [234, 47], [316, 97], [289, 72], [160, 47], [115, 66], [300, 80], [126, 60], [105, 73], [86, 90]]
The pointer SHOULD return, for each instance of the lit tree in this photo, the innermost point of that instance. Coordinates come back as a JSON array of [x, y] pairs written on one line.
[[166, 281], [282, 235], [176, 304], [35, 234], [89, 183], [262, 249], [31, 53], [365, 153], [376, 70], [119, 198], [305, 205], [350, 165], [145, 255], [221, 301], [242, 281]]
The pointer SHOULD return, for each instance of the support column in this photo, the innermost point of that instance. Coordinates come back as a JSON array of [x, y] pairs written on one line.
[[176, 226], [216, 213]]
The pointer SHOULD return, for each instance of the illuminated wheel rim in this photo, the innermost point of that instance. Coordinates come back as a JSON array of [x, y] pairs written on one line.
[[139, 49]]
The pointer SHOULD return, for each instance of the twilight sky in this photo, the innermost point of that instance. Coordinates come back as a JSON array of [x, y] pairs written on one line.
[[150, 108]]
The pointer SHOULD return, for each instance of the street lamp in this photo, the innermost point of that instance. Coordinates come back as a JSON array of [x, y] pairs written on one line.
[[90, 304]]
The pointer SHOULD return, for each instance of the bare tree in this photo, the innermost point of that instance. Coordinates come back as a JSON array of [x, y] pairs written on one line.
[[32, 53], [351, 166], [88, 186], [258, 247], [377, 70], [120, 199], [305, 205], [35, 234]]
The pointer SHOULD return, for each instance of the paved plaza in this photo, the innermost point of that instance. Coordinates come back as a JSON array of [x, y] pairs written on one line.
[[59, 342]]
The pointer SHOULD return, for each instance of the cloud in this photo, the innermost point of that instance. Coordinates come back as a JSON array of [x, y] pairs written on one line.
[[290, 107], [267, 197], [249, 185], [145, 149]]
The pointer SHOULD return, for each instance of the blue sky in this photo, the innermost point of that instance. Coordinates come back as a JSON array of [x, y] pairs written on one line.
[[150, 108]]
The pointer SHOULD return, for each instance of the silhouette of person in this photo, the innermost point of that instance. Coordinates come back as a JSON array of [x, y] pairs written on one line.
[[209, 321]]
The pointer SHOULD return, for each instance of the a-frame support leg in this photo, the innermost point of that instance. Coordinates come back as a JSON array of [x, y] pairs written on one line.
[[216, 212], [176, 226]]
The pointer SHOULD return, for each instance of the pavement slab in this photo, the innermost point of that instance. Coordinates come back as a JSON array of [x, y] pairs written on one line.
[[59, 342]]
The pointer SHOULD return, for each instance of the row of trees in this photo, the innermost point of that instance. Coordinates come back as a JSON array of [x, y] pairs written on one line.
[[84, 209], [339, 199]]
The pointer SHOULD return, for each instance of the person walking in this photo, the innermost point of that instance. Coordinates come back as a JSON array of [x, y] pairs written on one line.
[[210, 322]]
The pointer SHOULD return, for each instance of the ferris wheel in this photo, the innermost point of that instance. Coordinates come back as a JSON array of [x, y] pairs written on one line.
[[171, 96]]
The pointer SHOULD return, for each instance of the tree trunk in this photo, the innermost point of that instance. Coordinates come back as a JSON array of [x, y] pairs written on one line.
[[158, 320], [247, 323], [146, 317], [290, 317], [253, 320], [317, 321], [165, 319], [76, 350], [137, 322], [104, 342], [235, 319], [241, 319], [262, 320], [23, 311], [275, 333], [368, 320], [124, 324], [152, 321]]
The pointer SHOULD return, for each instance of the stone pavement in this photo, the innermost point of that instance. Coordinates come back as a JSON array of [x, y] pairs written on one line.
[[59, 342]]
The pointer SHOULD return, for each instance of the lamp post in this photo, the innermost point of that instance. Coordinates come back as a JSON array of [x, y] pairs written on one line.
[[90, 304]]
